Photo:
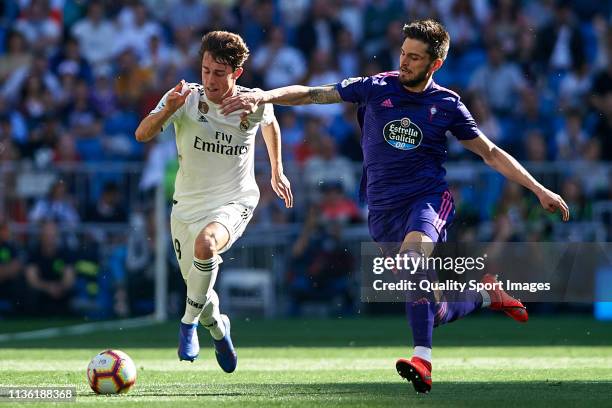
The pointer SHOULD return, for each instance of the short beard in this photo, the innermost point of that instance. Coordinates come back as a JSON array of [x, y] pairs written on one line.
[[420, 78]]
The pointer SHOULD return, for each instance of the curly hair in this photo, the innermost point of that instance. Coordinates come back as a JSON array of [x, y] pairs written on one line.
[[225, 48]]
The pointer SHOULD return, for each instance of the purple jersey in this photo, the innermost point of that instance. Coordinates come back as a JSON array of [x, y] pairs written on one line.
[[404, 137]]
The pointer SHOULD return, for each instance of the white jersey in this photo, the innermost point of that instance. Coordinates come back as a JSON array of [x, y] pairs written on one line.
[[215, 153]]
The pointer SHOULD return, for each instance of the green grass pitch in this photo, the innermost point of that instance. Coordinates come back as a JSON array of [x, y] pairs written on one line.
[[479, 361]]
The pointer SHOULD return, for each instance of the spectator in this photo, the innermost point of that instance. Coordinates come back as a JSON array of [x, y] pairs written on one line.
[[50, 274], [38, 68], [94, 290], [574, 87], [322, 71], [603, 128], [387, 55], [293, 133], [109, 207], [11, 272], [185, 53], [69, 60], [602, 81], [346, 133], [487, 122], [157, 56], [335, 206], [325, 166], [103, 97], [278, 63], [16, 121], [66, 150], [347, 55], [603, 33], [571, 139], [132, 80], [38, 27], [135, 32], [17, 55], [504, 26], [56, 207], [220, 17], [96, 35], [320, 266], [535, 146], [190, 14], [513, 204], [573, 194], [462, 26], [81, 114], [318, 31], [498, 81], [560, 43], [311, 140], [270, 211], [43, 140], [377, 16], [530, 116]]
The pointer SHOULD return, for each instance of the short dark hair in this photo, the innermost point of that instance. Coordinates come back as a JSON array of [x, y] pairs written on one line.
[[431, 33], [225, 47]]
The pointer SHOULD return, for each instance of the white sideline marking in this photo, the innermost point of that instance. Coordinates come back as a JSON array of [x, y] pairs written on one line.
[[78, 329]]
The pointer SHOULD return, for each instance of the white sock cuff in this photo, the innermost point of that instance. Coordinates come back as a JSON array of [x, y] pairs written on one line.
[[486, 298], [423, 352]]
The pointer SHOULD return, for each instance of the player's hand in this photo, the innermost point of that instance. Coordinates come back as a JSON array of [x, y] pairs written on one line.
[[282, 188], [177, 97], [551, 202], [55, 290], [245, 103]]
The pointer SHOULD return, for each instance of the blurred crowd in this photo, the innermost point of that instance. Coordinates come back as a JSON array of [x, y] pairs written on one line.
[[77, 76]]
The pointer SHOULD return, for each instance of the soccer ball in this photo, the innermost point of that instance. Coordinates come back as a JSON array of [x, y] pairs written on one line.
[[111, 372]]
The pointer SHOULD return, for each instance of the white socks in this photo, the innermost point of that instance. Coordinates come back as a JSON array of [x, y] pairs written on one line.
[[200, 280], [422, 352], [202, 301], [486, 298], [211, 317]]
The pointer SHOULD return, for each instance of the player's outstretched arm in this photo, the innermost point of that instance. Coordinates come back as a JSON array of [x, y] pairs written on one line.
[[507, 165], [151, 125], [280, 183], [292, 95]]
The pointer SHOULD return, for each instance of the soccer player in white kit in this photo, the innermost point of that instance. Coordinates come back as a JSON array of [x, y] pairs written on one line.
[[215, 190]]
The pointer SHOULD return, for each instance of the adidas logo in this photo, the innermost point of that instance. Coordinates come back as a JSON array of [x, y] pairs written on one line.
[[387, 103]]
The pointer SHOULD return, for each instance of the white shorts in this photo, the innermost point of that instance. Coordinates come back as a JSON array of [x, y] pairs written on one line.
[[233, 216]]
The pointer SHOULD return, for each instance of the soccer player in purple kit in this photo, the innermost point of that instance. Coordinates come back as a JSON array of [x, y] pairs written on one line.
[[404, 116]]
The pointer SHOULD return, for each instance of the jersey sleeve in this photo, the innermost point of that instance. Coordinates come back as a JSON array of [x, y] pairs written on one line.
[[464, 126], [268, 114], [356, 90], [160, 106]]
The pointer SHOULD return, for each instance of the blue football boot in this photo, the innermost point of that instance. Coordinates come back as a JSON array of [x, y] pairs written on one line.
[[189, 347], [224, 349]]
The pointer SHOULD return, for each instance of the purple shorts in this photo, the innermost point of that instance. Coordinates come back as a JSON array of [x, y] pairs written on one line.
[[430, 214]]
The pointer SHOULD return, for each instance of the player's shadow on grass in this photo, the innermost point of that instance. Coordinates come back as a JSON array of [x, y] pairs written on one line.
[[516, 393]]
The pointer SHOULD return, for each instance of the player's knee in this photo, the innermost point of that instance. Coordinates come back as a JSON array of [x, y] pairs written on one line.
[[205, 246]]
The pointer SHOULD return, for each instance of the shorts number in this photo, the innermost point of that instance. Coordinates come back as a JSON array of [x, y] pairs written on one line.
[[177, 248]]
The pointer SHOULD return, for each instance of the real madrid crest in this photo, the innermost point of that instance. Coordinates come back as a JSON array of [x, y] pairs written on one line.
[[203, 107], [244, 125]]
